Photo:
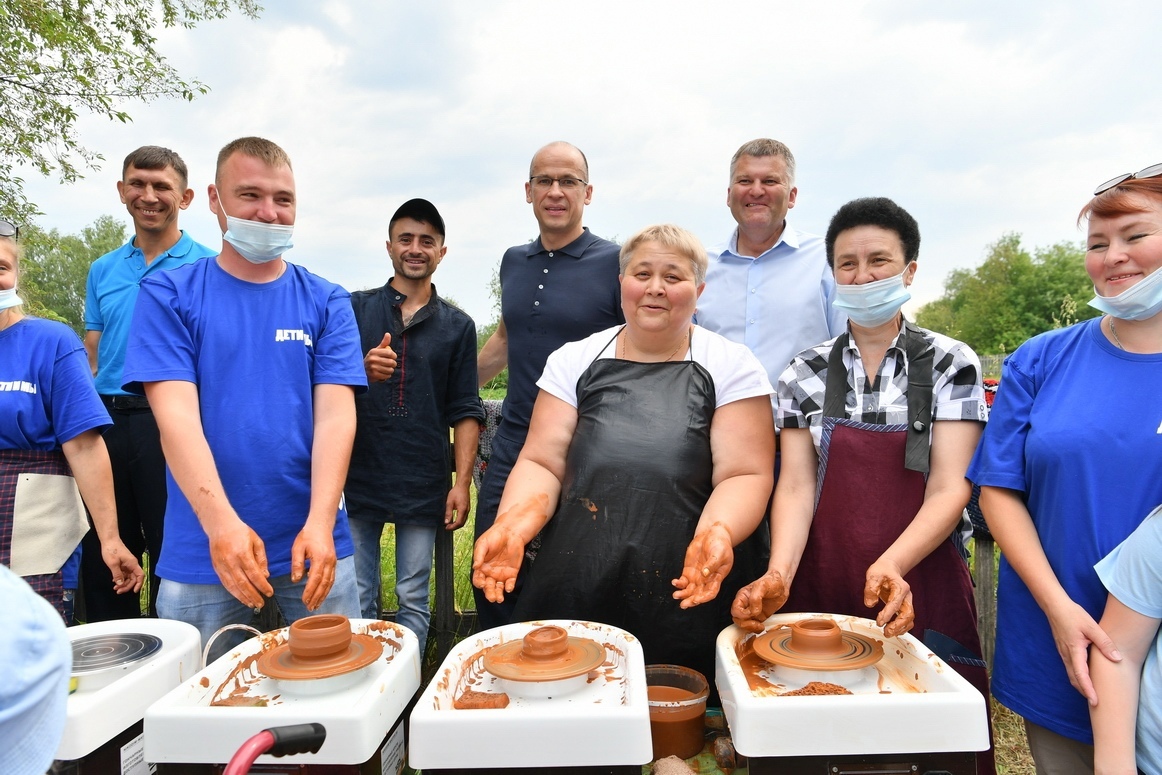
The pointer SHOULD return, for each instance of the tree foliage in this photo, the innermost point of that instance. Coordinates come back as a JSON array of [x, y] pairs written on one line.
[[55, 266], [1012, 296], [60, 59]]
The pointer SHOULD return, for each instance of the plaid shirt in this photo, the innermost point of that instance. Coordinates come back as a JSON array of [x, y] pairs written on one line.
[[957, 388]]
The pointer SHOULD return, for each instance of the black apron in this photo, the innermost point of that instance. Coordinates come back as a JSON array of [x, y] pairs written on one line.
[[871, 486], [637, 476]]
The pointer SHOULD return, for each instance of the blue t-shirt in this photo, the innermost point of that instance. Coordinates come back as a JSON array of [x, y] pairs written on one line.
[[255, 351], [548, 298], [111, 292], [1076, 428], [1133, 574], [46, 389]]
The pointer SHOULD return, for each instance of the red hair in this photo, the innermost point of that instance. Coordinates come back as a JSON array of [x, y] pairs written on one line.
[[1123, 199]]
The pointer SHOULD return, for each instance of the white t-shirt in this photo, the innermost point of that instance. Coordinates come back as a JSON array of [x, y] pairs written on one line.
[[736, 372]]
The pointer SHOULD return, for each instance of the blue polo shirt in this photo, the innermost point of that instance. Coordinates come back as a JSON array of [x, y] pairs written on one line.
[[111, 295], [548, 298]]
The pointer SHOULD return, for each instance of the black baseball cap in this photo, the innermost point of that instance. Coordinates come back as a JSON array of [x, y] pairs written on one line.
[[419, 210]]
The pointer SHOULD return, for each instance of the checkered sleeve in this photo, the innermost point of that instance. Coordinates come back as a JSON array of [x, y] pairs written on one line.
[[801, 388], [958, 390]]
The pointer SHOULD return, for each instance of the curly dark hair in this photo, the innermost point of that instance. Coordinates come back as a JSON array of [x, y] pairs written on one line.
[[875, 211]]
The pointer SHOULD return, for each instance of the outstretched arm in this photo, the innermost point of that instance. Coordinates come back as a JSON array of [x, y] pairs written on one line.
[[791, 514], [236, 551], [742, 445], [529, 500]]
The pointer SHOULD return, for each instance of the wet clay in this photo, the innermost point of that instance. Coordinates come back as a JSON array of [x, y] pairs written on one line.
[[474, 700], [817, 644], [544, 654], [675, 731], [320, 647]]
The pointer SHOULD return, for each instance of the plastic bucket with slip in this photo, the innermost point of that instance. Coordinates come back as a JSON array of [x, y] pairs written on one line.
[[677, 697]]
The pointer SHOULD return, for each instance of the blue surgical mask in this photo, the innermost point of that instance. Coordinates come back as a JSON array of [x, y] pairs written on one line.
[[9, 298], [256, 241], [1141, 300], [873, 304]]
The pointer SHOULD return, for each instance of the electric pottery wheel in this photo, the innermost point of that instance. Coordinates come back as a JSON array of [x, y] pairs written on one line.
[[355, 677], [573, 695], [547, 662], [904, 703], [121, 667]]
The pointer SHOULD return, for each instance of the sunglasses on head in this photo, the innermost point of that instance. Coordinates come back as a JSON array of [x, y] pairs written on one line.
[[1153, 171], [9, 230]]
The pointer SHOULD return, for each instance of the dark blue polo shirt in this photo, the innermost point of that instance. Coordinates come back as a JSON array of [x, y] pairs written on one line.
[[549, 298]]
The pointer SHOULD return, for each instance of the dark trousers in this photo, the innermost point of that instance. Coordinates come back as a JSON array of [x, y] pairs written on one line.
[[139, 487], [504, 454]]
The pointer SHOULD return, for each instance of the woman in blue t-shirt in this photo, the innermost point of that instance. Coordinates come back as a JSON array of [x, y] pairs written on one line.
[[1069, 463], [50, 433]]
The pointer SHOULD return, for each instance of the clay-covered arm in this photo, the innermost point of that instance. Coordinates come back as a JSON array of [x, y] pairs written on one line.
[[792, 510], [1073, 628], [529, 500], [1117, 684], [945, 496], [742, 447]]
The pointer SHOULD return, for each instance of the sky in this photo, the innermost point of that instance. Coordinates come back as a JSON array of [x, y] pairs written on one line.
[[979, 118]]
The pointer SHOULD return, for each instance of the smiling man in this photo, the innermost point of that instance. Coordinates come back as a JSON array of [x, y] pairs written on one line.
[[251, 364], [769, 286], [421, 363], [153, 188], [559, 288]]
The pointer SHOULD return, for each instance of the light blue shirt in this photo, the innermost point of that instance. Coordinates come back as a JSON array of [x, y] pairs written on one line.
[[111, 295], [777, 304]]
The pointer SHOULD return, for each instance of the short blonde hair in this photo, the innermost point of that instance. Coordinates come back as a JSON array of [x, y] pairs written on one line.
[[259, 148], [669, 236]]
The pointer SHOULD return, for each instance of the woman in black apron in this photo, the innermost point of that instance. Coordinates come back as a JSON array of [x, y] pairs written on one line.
[[871, 490], [649, 464]]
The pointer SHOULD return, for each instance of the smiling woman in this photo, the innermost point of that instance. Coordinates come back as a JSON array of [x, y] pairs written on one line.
[[649, 463], [1062, 478]]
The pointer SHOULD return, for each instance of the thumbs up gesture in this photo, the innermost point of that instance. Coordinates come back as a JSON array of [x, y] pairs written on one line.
[[379, 363]]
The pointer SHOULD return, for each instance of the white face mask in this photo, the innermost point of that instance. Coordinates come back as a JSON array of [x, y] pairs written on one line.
[[875, 303], [1140, 301], [256, 241], [9, 298]]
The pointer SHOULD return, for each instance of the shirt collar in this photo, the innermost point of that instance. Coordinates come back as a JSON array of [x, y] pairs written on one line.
[[897, 343], [398, 297], [790, 237], [574, 249], [178, 249]]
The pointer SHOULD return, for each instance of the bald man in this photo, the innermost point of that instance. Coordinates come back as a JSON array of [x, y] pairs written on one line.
[[559, 288]]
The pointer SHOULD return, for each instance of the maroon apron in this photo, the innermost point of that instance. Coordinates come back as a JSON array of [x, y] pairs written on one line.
[[871, 486]]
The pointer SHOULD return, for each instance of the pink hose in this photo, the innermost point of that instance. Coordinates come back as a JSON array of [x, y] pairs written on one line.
[[253, 748]]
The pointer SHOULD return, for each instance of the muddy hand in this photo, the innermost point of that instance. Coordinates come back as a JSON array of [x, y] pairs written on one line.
[[755, 602], [496, 560], [885, 583], [313, 553], [239, 558], [709, 558]]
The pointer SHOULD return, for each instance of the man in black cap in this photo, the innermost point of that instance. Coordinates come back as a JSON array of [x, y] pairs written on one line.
[[421, 366]]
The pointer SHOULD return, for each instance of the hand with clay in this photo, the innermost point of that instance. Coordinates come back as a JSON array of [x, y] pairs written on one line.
[[496, 560], [886, 583], [758, 600], [127, 573], [709, 558]]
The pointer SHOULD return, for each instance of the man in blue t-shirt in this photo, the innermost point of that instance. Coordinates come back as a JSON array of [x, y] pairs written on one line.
[[154, 189], [251, 365], [559, 288]]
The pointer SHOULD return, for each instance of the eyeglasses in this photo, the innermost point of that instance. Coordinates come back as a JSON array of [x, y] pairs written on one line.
[[1153, 171], [567, 183], [9, 230]]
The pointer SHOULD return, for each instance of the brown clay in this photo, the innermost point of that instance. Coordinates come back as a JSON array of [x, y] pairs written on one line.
[[319, 637], [817, 644], [544, 654], [474, 700], [319, 647], [817, 689], [548, 642]]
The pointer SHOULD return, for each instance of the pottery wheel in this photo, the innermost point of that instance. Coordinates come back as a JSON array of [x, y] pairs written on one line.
[[855, 651], [102, 652], [580, 656], [280, 663]]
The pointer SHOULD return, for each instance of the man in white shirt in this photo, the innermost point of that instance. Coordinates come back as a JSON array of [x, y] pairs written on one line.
[[769, 285]]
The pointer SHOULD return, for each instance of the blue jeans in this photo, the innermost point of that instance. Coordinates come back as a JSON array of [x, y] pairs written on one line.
[[413, 572], [209, 607]]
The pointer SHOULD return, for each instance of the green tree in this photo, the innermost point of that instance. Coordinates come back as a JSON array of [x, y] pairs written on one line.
[[61, 59], [1012, 296], [55, 267], [483, 333]]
